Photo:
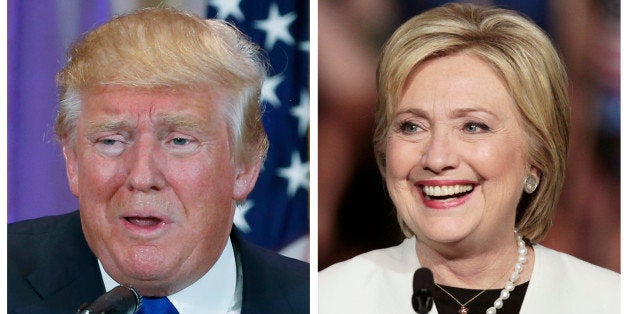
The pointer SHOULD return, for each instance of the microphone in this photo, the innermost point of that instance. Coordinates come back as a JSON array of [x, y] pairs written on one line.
[[423, 291], [119, 300]]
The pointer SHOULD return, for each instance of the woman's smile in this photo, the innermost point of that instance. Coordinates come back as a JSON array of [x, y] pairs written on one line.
[[439, 194]]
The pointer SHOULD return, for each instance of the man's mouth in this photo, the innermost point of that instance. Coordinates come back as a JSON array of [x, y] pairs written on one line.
[[446, 192], [144, 221]]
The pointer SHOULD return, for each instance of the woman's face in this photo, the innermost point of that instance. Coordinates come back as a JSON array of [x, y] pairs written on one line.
[[456, 153]]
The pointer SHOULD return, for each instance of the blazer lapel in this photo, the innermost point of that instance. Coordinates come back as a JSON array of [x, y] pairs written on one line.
[[69, 286], [67, 279], [267, 288], [262, 291]]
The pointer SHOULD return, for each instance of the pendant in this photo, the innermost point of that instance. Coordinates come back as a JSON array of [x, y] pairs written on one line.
[[463, 310]]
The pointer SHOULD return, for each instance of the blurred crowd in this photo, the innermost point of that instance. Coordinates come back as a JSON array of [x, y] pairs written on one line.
[[355, 214]]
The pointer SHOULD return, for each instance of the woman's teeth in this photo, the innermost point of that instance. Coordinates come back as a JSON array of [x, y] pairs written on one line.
[[448, 190]]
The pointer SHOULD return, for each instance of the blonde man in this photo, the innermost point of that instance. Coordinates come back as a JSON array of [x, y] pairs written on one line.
[[161, 131]]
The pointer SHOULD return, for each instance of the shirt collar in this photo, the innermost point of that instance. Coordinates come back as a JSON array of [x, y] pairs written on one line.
[[218, 291]]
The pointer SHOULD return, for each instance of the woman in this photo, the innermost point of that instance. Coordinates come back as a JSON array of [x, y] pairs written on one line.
[[471, 139]]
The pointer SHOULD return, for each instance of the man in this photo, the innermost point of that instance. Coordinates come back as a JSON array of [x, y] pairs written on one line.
[[162, 136]]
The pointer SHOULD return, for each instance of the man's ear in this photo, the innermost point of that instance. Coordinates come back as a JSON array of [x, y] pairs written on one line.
[[246, 177], [71, 165]]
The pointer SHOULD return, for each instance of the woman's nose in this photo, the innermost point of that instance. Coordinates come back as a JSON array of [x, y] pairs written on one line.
[[440, 154]]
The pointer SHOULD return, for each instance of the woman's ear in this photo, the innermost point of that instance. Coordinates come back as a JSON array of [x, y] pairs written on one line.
[[534, 171], [532, 180]]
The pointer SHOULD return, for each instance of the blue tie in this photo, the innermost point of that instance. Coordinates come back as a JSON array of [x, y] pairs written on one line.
[[160, 305]]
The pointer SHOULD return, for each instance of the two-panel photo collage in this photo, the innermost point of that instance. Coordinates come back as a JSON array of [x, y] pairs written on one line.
[[321, 156]]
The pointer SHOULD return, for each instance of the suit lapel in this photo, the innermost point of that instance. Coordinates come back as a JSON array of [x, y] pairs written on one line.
[[262, 292], [68, 278], [69, 286]]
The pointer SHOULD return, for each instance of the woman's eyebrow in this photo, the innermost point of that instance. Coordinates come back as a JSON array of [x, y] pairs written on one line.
[[461, 112], [413, 111]]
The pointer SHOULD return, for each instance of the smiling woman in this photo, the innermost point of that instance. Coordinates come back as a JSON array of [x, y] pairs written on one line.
[[471, 139], [465, 132]]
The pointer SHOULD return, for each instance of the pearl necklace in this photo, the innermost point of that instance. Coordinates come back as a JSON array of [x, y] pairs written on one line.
[[508, 288]]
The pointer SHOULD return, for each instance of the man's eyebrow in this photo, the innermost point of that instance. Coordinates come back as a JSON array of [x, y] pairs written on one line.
[[180, 121], [171, 121], [108, 125]]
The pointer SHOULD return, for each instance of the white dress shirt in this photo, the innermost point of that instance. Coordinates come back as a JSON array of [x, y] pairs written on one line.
[[218, 291]]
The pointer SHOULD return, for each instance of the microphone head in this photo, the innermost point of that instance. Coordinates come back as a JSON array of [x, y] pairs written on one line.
[[119, 300], [422, 290], [423, 279]]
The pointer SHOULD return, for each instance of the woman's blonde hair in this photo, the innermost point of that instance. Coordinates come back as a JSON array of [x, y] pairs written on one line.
[[162, 48], [525, 58]]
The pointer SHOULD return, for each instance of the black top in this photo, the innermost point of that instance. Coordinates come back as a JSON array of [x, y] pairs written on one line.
[[446, 305]]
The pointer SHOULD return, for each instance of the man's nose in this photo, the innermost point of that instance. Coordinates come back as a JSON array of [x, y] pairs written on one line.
[[144, 170], [440, 154]]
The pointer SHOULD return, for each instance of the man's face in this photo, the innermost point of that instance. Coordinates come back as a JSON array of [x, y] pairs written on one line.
[[156, 184]]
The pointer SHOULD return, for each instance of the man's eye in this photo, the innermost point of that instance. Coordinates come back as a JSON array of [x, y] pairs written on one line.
[[180, 141], [108, 141], [110, 146], [182, 146]]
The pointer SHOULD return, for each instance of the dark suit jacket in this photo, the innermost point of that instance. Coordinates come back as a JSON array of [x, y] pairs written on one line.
[[52, 270]]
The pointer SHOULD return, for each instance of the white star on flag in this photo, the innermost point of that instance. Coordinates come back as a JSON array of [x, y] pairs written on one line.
[[297, 174], [276, 26], [269, 90], [239, 217], [302, 112], [226, 8], [304, 46], [278, 219]]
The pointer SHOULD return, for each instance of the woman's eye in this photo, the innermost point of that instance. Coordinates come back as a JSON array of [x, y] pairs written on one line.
[[409, 127], [475, 127]]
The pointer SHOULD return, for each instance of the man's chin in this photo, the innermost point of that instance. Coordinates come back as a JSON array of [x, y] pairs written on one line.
[[157, 289], [150, 284], [156, 279]]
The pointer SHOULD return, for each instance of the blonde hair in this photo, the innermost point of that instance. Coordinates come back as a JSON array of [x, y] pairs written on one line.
[[525, 58], [162, 48]]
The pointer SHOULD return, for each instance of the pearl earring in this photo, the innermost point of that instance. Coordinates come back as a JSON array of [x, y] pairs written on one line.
[[530, 184]]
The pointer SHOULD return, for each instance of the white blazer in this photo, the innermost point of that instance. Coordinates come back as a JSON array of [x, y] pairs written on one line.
[[380, 281]]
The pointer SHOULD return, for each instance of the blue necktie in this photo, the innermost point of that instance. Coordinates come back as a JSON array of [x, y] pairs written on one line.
[[159, 305]]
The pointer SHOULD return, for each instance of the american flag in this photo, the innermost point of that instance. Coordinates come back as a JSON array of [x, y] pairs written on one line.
[[276, 213]]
